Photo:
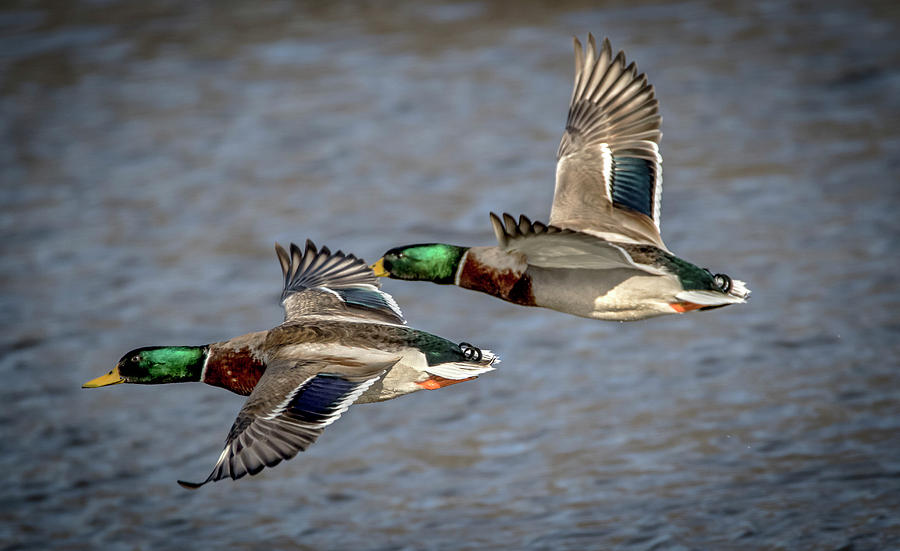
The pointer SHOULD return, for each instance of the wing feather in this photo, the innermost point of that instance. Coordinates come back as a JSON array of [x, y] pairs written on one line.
[[288, 409], [613, 119], [319, 282]]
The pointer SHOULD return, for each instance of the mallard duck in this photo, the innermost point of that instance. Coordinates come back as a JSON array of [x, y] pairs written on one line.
[[601, 255], [342, 341]]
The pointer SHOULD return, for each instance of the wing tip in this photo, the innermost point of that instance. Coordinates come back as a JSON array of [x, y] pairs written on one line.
[[510, 222], [502, 240], [284, 258], [315, 266], [191, 485], [509, 228], [608, 82]]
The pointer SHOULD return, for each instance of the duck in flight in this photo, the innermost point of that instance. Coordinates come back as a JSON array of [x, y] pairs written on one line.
[[343, 341], [601, 255]]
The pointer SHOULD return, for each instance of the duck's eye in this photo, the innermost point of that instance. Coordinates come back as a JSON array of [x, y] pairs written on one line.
[[135, 359], [400, 255]]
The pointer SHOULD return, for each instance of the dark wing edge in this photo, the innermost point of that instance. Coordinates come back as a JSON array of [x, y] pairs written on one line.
[[344, 275], [265, 438]]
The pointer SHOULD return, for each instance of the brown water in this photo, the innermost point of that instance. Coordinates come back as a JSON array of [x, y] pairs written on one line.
[[152, 153]]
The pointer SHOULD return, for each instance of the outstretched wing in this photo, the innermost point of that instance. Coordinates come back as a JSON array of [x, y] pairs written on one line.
[[319, 282], [608, 170], [552, 247], [287, 411]]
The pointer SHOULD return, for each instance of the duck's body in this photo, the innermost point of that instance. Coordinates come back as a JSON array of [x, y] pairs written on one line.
[[342, 341], [613, 294], [601, 256], [238, 364]]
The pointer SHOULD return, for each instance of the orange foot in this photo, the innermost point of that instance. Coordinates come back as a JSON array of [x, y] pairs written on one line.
[[436, 382]]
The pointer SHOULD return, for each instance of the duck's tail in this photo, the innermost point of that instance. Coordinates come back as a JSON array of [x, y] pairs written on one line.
[[731, 291], [477, 362], [739, 290]]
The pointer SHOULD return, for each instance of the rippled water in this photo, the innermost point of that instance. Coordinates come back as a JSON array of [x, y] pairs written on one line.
[[151, 154]]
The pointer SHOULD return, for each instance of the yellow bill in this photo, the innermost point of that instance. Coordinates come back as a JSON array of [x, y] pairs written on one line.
[[378, 268], [111, 378]]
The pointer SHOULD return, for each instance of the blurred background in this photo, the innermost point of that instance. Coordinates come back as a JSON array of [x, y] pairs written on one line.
[[151, 153]]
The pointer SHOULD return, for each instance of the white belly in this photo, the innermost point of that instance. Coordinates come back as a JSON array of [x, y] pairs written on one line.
[[613, 295]]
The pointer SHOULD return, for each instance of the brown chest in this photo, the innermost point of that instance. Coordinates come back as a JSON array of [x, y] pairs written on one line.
[[237, 369], [496, 273]]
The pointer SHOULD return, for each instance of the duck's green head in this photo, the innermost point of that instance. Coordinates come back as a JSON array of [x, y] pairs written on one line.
[[436, 262], [155, 365]]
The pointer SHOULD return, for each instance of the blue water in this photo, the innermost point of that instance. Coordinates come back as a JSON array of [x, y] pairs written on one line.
[[151, 153]]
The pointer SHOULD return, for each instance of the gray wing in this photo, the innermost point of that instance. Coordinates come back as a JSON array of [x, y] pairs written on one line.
[[287, 411], [319, 282], [553, 247], [608, 170]]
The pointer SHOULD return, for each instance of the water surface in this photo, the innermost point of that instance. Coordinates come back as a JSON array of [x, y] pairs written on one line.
[[151, 153]]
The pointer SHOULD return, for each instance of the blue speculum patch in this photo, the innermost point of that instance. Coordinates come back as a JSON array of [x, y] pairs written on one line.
[[316, 402], [633, 184]]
